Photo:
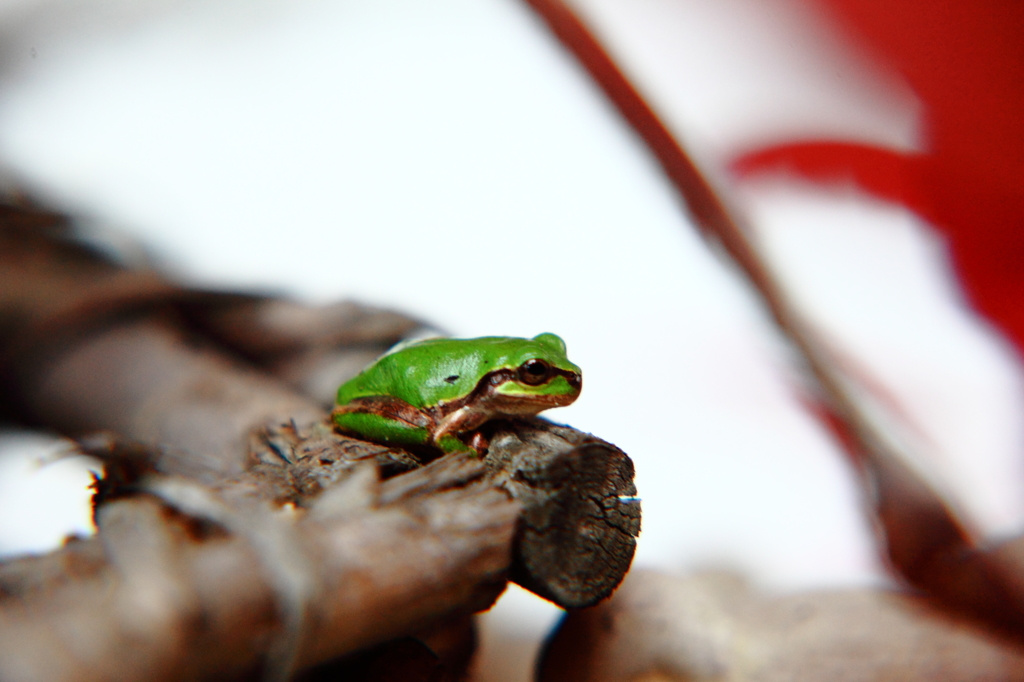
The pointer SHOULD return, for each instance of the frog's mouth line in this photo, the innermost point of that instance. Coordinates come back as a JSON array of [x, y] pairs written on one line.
[[501, 376], [486, 393]]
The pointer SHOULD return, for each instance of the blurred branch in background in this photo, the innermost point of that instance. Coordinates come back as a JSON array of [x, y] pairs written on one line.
[[926, 543]]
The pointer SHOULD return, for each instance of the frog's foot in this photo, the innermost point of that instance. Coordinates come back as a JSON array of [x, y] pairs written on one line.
[[449, 444], [463, 420], [479, 442]]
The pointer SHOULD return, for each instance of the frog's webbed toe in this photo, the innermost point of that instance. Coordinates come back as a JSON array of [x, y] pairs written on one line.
[[449, 444], [479, 442]]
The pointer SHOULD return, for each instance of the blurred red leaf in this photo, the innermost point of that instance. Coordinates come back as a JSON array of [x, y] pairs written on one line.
[[965, 60]]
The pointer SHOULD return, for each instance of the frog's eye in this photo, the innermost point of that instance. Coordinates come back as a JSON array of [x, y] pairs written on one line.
[[534, 372]]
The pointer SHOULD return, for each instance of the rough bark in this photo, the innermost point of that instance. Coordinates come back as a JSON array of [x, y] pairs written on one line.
[[580, 516], [577, 532], [190, 583]]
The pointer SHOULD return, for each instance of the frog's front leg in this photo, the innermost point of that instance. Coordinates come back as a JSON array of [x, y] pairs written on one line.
[[463, 420], [449, 444], [385, 419]]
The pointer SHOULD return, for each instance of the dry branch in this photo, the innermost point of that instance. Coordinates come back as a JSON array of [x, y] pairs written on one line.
[[158, 602], [238, 532], [581, 514]]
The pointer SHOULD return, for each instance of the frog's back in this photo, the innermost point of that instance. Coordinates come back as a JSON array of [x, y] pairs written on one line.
[[377, 379]]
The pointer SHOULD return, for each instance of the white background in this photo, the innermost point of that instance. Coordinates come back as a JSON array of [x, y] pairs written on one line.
[[450, 160]]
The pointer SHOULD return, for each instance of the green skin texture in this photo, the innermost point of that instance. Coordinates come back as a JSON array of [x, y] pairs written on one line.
[[431, 378]]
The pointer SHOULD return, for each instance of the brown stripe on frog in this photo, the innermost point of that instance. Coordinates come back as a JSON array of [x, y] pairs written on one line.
[[389, 407]]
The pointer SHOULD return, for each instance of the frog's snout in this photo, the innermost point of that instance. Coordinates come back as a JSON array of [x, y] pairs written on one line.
[[575, 380]]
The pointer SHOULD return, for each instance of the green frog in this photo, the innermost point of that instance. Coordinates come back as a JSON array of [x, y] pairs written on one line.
[[438, 392]]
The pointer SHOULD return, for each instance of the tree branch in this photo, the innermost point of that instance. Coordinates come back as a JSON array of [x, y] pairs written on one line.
[[165, 599], [238, 532]]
